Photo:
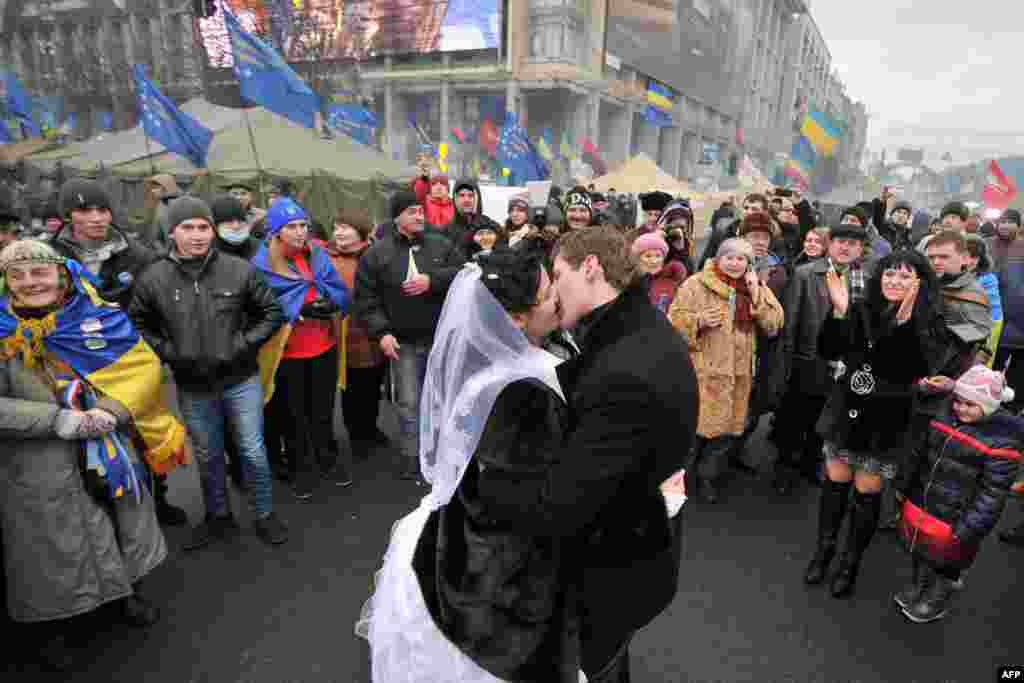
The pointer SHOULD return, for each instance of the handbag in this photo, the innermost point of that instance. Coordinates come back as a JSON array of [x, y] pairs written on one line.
[[933, 539]]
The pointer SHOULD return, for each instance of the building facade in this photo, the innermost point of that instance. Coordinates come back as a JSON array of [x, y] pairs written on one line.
[[740, 72]]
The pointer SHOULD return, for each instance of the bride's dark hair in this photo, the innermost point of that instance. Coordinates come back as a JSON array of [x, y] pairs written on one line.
[[513, 277]]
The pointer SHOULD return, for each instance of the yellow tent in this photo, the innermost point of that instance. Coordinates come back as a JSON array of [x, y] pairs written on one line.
[[641, 174]]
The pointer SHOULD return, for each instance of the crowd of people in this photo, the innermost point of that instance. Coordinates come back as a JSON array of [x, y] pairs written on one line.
[[882, 347]]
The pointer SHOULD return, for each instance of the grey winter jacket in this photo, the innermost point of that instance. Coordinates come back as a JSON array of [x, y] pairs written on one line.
[[61, 550]]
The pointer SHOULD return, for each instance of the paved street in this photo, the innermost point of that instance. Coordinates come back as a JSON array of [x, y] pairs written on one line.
[[248, 613]]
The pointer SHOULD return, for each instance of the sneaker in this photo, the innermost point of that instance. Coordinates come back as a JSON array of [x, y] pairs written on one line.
[[199, 537], [271, 529]]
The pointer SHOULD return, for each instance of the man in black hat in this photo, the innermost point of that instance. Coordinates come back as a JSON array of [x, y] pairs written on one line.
[[469, 215], [400, 287], [253, 215], [234, 231], [652, 204]]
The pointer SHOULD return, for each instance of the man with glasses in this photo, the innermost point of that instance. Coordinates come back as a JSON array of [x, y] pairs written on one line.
[[400, 287]]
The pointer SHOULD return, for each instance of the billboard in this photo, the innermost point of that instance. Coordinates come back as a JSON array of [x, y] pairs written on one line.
[[315, 30]]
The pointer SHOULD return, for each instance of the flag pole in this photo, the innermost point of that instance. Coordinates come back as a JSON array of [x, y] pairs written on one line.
[[255, 153], [149, 152]]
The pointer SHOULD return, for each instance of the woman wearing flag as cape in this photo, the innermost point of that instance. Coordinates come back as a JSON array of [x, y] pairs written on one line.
[[305, 360], [80, 402]]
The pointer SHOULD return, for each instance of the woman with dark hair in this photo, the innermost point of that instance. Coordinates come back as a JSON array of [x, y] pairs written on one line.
[[815, 246], [884, 346], [460, 597]]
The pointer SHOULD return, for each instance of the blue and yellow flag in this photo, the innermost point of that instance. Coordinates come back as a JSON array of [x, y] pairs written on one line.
[[98, 342], [821, 133], [659, 104], [291, 293]]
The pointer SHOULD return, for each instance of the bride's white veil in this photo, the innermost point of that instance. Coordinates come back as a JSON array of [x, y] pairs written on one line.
[[477, 351]]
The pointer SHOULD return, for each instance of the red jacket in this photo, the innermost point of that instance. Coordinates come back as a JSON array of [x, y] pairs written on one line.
[[439, 212]]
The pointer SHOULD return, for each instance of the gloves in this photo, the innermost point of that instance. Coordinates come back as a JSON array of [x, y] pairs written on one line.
[[320, 309], [73, 425]]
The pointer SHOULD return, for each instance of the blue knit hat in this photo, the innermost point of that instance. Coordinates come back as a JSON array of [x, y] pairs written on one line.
[[284, 211]]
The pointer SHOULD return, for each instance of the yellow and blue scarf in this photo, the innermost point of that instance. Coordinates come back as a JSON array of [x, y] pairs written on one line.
[[98, 342]]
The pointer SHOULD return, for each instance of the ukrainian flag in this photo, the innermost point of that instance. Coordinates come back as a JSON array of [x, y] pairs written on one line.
[[660, 97], [821, 133], [98, 342]]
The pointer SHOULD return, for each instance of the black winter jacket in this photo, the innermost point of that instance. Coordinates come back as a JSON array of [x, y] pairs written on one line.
[[463, 226], [504, 597], [965, 472], [631, 424], [379, 300], [807, 305], [119, 273], [870, 407], [208, 328]]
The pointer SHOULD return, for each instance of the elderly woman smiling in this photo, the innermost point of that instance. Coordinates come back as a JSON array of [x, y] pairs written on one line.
[[79, 526]]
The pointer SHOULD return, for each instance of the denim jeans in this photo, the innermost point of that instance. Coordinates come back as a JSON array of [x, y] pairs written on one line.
[[206, 415], [408, 373]]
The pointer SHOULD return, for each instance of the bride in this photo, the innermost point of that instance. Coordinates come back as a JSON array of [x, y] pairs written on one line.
[[460, 598]]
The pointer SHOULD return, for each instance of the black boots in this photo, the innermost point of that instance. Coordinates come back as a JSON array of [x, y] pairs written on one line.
[[166, 514], [919, 583], [863, 523], [831, 510], [1014, 536], [933, 602]]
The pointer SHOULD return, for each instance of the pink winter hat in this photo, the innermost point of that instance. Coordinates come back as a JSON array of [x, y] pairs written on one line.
[[652, 241], [985, 387]]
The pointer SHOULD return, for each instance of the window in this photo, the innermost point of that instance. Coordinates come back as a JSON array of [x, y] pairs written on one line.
[[703, 7]]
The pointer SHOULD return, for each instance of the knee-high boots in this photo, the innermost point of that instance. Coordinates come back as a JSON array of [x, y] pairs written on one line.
[[864, 513], [831, 510]]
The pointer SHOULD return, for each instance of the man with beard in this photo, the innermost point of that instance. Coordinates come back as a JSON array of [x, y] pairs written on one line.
[[469, 216], [603, 490]]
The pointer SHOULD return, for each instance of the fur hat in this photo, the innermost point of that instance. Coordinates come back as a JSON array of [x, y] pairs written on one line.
[[902, 205], [735, 245], [284, 211], [955, 209], [652, 241], [849, 231], [521, 200], [985, 387], [654, 201]]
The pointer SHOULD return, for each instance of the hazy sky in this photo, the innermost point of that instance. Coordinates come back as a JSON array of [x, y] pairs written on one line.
[[946, 66]]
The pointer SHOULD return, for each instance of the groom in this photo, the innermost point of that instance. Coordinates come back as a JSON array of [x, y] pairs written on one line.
[[632, 395]]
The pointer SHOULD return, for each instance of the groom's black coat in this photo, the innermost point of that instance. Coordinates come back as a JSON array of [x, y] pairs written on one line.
[[633, 406]]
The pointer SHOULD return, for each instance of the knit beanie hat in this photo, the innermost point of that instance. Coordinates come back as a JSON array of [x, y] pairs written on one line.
[[83, 193], [519, 200], [402, 201], [28, 251], [226, 208], [735, 245], [284, 211], [652, 241], [186, 208], [985, 387], [578, 196], [755, 222], [654, 201]]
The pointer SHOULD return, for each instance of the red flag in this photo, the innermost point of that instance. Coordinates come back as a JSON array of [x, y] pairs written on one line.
[[459, 135], [489, 137], [593, 157], [1000, 190]]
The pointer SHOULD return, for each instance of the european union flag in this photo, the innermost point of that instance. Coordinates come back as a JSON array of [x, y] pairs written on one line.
[[18, 104], [163, 122], [266, 79], [354, 120], [516, 153]]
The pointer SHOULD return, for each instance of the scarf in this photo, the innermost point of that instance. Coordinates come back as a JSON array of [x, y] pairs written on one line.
[[93, 254], [102, 348], [739, 299], [856, 279]]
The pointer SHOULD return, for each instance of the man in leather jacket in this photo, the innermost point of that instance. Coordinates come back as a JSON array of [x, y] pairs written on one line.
[[206, 314]]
